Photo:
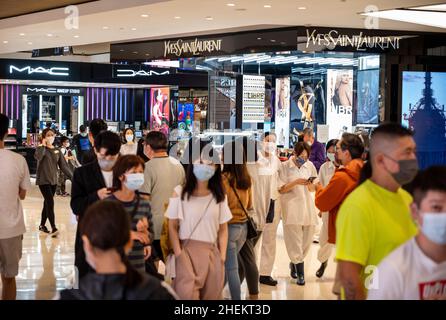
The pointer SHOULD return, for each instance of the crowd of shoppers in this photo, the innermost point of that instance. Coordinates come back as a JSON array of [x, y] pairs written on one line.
[[218, 207]]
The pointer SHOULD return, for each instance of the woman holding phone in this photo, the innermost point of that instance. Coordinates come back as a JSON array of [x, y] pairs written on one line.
[[297, 178], [49, 160]]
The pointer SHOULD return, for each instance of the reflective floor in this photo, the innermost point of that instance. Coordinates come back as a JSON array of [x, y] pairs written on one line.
[[47, 263]]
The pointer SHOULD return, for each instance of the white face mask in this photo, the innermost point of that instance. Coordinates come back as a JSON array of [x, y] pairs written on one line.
[[134, 181], [129, 138], [434, 227], [67, 145], [84, 134], [203, 172], [106, 165], [331, 157], [50, 140], [270, 147]]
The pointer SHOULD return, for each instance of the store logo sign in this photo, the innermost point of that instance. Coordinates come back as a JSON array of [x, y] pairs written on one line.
[[140, 73], [360, 42], [194, 47], [53, 90], [55, 71]]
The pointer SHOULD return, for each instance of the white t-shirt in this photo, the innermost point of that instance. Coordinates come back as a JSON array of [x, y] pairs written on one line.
[[408, 274], [108, 178], [207, 229], [326, 172], [14, 174], [129, 149], [298, 207]]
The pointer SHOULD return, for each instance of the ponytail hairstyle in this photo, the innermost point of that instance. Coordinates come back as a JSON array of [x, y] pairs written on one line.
[[106, 224]]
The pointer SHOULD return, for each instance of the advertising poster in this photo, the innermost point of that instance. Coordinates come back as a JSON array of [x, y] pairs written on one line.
[[160, 109], [423, 100], [253, 99], [185, 116], [282, 111], [339, 102], [368, 97]]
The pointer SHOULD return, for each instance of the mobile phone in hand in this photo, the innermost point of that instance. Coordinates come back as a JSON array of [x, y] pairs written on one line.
[[311, 179]]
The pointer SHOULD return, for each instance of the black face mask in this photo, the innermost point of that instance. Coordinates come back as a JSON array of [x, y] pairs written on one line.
[[408, 171]]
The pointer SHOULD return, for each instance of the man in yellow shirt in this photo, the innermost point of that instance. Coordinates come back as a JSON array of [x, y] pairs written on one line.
[[375, 218]]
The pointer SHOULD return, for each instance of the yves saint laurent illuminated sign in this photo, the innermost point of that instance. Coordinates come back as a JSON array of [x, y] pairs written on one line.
[[54, 71], [140, 73], [53, 90], [360, 41], [194, 47]]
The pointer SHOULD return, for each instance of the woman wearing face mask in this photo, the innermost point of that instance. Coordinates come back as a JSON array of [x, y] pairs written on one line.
[[238, 187], [128, 177], [417, 269], [49, 160], [198, 214], [299, 211], [105, 231], [129, 147]]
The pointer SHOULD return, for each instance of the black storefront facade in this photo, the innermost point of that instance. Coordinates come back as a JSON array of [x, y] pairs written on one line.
[[311, 59]]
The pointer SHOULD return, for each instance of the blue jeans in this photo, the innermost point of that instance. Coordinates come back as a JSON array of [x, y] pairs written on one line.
[[236, 240]]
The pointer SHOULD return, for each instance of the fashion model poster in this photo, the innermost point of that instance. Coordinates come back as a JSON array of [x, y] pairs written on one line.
[[160, 102], [423, 101], [339, 102], [368, 97], [282, 108]]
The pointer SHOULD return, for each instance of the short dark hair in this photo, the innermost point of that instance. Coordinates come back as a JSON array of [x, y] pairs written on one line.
[[157, 141], [124, 164], [215, 184], [431, 179], [353, 144], [331, 143], [299, 147], [308, 131], [109, 141], [97, 126], [63, 139], [4, 125], [82, 128], [391, 130]]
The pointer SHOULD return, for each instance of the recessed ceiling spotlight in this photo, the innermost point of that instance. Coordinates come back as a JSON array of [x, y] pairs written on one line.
[[144, 16], [230, 5], [135, 52], [177, 17], [133, 29], [122, 50], [49, 35], [30, 43], [5, 42], [209, 18], [105, 27], [302, 8], [259, 38], [267, 6], [21, 34], [76, 36], [272, 40], [147, 54]]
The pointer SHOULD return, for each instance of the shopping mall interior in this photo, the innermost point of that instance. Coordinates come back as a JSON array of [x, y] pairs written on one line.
[[220, 70]]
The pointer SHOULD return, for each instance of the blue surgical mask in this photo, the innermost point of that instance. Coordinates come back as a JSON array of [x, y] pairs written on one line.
[[434, 227], [134, 181], [300, 161], [204, 172]]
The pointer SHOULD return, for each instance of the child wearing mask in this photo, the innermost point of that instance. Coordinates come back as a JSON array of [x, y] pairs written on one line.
[[417, 269]]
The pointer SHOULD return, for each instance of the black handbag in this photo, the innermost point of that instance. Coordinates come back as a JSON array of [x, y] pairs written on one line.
[[270, 215], [252, 227]]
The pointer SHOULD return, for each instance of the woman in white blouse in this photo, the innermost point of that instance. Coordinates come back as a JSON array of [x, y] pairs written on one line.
[[198, 214], [130, 146], [299, 212]]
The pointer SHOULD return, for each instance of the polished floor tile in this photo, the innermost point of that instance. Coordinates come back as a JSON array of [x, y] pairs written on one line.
[[47, 263]]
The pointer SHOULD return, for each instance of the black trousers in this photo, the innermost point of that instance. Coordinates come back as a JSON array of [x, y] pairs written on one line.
[[48, 192], [247, 266]]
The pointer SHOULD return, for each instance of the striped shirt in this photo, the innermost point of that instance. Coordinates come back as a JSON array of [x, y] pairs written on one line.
[[136, 255]]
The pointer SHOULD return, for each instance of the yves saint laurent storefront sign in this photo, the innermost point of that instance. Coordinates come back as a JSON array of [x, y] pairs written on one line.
[[360, 42], [193, 47]]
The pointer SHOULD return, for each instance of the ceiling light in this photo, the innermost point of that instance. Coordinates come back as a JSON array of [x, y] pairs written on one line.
[[177, 17], [267, 6], [144, 16], [209, 18], [302, 8], [5, 42], [122, 50], [49, 35], [21, 34], [133, 29], [272, 40], [30, 43], [105, 27], [230, 4], [428, 18], [259, 38], [135, 52], [76, 36]]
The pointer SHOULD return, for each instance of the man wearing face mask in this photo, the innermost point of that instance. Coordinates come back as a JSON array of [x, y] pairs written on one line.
[[317, 156], [93, 182], [417, 269], [81, 143], [375, 218], [348, 153]]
